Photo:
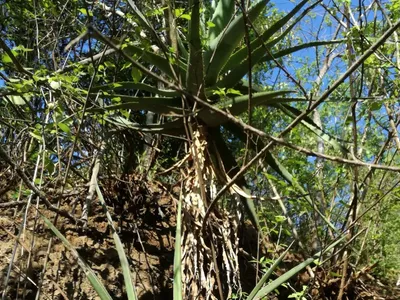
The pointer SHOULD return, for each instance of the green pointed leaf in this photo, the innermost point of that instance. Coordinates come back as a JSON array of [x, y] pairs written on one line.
[[136, 75], [293, 49], [17, 100], [265, 37], [222, 46], [183, 51], [129, 85], [177, 285], [64, 127], [162, 63], [195, 75], [260, 55], [282, 279], [171, 106], [93, 279], [267, 274], [262, 294], [238, 105], [174, 127], [223, 13], [128, 281]]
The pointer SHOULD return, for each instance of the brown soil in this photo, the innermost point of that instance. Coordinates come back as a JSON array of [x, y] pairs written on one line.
[[145, 225], [144, 215]]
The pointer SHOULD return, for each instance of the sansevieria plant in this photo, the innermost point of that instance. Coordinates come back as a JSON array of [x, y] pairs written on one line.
[[203, 73]]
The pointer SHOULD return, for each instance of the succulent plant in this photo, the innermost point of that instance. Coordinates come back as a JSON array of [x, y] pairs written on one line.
[[204, 90]]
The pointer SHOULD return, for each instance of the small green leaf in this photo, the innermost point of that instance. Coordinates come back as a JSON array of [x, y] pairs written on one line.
[[36, 136], [178, 12], [185, 16], [85, 12], [55, 85], [116, 99], [22, 49], [280, 219], [210, 24], [234, 92], [6, 59], [136, 75], [376, 106], [220, 92], [109, 65], [17, 100], [49, 165], [126, 66], [64, 127]]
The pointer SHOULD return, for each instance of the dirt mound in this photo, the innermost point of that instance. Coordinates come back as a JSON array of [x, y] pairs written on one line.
[[144, 215], [145, 219]]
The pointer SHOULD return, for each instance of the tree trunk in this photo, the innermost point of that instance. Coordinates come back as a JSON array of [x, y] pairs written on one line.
[[209, 259]]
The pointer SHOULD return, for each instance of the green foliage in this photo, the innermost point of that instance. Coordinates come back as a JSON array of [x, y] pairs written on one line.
[[62, 97]]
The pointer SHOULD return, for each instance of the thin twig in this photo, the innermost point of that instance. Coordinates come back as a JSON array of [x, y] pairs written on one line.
[[15, 61], [34, 189], [301, 117]]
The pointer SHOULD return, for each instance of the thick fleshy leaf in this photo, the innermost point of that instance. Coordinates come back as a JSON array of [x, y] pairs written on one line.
[[238, 105], [260, 55], [262, 294], [265, 37], [130, 85], [282, 279], [222, 47], [223, 13], [147, 25], [195, 72], [177, 285], [183, 51], [267, 274], [162, 63], [245, 84], [296, 48], [174, 127], [170, 106]]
